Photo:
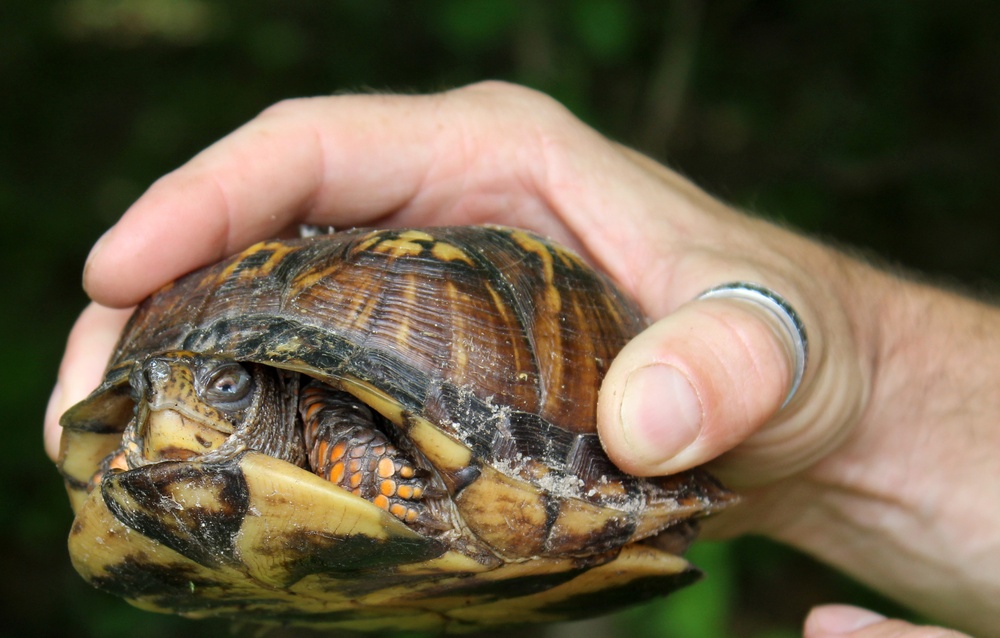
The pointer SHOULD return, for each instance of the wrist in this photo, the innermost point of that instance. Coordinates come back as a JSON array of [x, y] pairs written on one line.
[[907, 502]]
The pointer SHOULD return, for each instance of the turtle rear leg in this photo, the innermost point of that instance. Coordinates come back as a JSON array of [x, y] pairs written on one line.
[[346, 447]]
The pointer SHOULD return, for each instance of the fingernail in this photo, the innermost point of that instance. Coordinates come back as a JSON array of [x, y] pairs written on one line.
[[660, 412], [838, 620]]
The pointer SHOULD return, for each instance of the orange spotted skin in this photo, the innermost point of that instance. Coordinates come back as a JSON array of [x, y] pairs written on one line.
[[346, 448]]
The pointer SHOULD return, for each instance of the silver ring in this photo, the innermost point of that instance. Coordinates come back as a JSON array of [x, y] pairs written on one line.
[[782, 311]]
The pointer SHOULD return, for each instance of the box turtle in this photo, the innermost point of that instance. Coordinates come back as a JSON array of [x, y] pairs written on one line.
[[373, 429]]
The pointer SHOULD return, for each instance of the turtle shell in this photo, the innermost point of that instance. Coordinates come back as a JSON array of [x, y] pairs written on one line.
[[483, 349]]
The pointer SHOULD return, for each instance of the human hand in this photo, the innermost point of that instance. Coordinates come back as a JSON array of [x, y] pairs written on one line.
[[500, 154], [842, 621], [706, 381]]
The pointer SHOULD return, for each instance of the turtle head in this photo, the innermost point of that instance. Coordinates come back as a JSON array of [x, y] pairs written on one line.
[[191, 406], [188, 404]]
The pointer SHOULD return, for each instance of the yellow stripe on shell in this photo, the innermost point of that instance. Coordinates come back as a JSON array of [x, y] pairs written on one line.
[[278, 252], [450, 252]]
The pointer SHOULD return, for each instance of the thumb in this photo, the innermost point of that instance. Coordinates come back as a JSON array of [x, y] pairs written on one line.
[[694, 385]]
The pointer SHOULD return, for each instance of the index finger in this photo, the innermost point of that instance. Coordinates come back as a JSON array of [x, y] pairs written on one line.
[[348, 160]]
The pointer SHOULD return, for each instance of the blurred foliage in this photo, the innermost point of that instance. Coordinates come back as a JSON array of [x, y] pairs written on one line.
[[874, 124]]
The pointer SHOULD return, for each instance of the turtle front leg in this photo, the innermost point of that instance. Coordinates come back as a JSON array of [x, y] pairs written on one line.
[[346, 447]]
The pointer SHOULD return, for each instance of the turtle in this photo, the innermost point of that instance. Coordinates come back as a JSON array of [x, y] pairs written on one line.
[[374, 429]]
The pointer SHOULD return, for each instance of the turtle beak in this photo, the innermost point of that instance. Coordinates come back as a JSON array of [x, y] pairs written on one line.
[[170, 424]]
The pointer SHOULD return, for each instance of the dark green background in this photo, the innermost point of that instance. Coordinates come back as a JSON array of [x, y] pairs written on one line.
[[875, 124]]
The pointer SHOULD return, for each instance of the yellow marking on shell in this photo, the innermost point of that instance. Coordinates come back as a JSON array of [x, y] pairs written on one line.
[[508, 514], [577, 523], [367, 242], [568, 257], [292, 345], [502, 309], [375, 398], [277, 491], [82, 452], [309, 278], [634, 563], [398, 247], [612, 309], [450, 252], [99, 542], [548, 319], [415, 234], [450, 562], [544, 252], [459, 328], [535, 246], [363, 305], [440, 449], [407, 299], [278, 251]]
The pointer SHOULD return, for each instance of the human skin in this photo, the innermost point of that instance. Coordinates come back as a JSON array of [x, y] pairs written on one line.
[[881, 464]]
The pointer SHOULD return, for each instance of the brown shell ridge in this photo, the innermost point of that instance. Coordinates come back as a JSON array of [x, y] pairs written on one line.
[[521, 312]]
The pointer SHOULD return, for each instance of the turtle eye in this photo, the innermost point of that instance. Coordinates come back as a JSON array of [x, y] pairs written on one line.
[[227, 386]]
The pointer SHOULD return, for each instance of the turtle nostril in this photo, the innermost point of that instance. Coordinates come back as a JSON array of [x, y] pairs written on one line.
[[156, 371]]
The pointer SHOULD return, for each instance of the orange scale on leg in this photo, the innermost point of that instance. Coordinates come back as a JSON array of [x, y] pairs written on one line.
[[336, 473], [388, 488], [386, 467], [338, 451], [397, 510], [321, 451], [381, 501], [312, 409]]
